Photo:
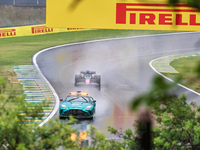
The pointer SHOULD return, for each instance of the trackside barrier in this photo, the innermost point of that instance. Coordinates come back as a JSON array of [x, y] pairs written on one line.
[[122, 14], [33, 30]]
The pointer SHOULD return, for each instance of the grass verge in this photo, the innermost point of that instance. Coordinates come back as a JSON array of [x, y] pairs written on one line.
[[188, 72]]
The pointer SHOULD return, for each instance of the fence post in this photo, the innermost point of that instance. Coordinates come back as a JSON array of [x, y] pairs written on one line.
[[37, 2], [13, 2]]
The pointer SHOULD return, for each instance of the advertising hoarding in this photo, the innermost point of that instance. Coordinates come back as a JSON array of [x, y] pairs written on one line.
[[122, 14]]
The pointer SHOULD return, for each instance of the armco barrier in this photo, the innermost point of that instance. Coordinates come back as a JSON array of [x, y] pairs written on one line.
[[33, 30]]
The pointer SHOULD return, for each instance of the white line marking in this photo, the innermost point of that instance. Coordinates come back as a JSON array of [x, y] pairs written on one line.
[[52, 89], [151, 62]]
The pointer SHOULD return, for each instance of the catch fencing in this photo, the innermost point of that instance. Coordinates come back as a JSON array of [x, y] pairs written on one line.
[[23, 2]]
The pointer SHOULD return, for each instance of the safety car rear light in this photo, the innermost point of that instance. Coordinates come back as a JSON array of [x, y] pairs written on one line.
[[78, 93], [73, 93], [84, 94]]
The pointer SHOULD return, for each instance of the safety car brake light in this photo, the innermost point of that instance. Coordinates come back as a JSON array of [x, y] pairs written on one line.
[[73, 93], [84, 94]]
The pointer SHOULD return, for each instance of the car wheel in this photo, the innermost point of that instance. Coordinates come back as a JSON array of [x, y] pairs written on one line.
[[99, 88], [91, 118], [76, 80], [60, 117], [99, 80]]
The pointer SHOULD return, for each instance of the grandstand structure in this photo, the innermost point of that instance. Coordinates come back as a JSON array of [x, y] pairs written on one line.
[[24, 2]]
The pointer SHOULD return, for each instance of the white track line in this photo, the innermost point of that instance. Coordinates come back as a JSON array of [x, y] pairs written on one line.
[[151, 62]]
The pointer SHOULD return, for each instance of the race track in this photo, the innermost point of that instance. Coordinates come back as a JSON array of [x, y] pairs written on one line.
[[124, 68]]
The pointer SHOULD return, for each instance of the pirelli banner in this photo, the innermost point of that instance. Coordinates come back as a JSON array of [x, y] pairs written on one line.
[[32, 30], [122, 14]]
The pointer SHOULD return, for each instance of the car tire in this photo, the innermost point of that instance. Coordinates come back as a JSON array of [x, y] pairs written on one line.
[[99, 88], [60, 117], [91, 118], [76, 80], [98, 79], [99, 82]]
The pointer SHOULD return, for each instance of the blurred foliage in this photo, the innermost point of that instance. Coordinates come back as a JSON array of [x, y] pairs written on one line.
[[192, 3], [177, 122], [197, 69], [158, 91], [18, 134]]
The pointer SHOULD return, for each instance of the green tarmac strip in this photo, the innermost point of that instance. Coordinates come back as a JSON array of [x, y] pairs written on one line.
[[36, 91]]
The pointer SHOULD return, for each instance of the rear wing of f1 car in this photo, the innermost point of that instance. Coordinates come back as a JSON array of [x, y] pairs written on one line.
[[88, 72]]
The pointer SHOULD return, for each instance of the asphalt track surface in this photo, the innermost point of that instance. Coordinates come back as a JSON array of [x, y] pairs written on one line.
[[124, 68]]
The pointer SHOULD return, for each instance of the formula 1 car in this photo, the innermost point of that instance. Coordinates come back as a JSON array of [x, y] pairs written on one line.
[[77, 104], [87, 78]]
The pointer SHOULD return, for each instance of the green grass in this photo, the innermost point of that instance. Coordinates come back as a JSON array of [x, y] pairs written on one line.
[[187, 68], [20, 50]]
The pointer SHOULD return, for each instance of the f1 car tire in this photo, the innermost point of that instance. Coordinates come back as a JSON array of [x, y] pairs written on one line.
[[98, 79], [76, 79]]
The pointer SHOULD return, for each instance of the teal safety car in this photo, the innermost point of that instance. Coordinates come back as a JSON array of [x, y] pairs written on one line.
[[77, 104]]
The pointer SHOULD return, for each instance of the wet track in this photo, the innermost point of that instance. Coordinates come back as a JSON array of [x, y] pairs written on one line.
[[124, 68]]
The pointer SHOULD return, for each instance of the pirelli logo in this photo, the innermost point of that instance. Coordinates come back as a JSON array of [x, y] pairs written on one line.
[[156, 14], [8, 33], [41, 29]]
